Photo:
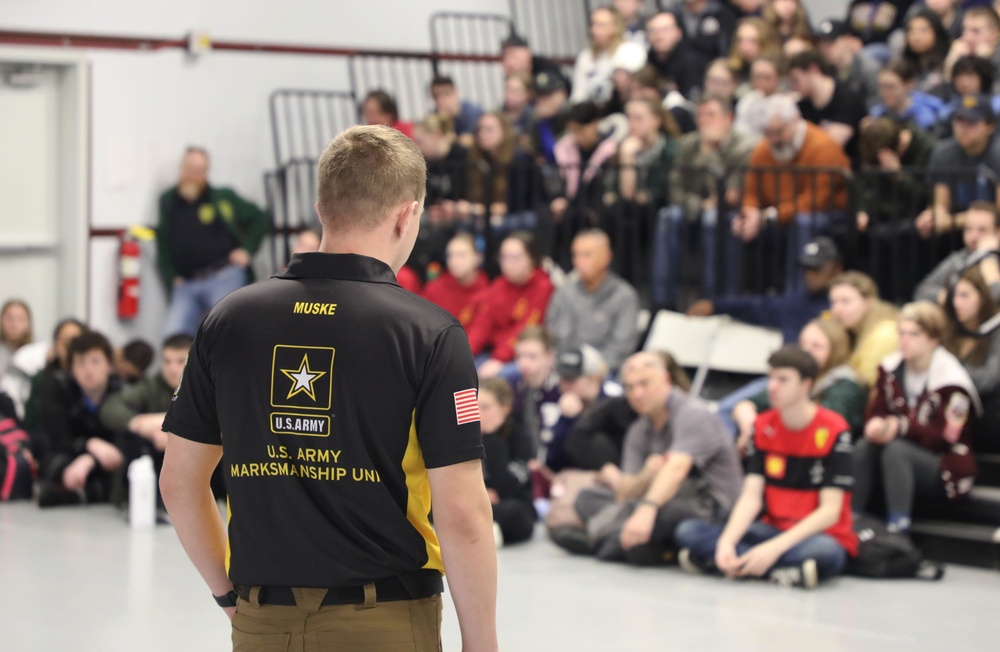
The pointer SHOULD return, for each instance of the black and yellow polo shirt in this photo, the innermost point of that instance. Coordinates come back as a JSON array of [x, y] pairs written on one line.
[[331, 390]]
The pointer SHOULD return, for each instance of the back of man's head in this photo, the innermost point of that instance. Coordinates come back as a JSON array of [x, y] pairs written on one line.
[[139, 353], [364, 173]]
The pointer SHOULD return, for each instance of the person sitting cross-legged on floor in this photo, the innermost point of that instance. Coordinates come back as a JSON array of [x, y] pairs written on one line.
[[799, 477], [678, 462]]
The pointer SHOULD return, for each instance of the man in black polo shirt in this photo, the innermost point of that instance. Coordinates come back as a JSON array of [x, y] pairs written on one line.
[[205, 239], [344, 406]]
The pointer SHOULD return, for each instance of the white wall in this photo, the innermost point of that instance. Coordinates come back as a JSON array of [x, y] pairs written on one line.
[[147, 106], [820, 10]]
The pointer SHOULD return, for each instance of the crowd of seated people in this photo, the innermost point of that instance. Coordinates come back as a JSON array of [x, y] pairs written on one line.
[[726, 125], [87, 409], [847, 154]]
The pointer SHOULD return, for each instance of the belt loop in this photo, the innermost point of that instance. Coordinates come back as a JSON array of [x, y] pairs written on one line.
[[255, 597], [369, 596], [309, 599]]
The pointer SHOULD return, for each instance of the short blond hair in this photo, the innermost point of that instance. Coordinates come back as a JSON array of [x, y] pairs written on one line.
[[929, 318], [363, 173]]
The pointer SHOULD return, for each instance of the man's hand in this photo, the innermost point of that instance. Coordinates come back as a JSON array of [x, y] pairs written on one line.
[[74, 477], [494, 496], [639, 527], [988, 243], [106, 454], [747, 226], [570, 405], [628, 149], [701, 308], [610, 476], [490, 368], [759, 559], [654, 463], [924, 223], [863, 221], [888, 160], [558, 207], [726, 559], [240, 257]]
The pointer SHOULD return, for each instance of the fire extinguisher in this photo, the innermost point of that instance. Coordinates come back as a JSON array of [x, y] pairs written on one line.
[[128, 277]]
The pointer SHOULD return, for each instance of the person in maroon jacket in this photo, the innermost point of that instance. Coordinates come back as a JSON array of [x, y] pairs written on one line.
[[512, 302], [456, 289], [919, 423]]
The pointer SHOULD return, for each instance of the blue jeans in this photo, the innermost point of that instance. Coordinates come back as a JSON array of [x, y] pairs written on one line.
[[701, 538], [729, 401], [193, 298], [671, 233]]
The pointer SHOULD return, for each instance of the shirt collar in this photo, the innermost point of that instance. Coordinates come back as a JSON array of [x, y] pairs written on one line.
[[344, 267]]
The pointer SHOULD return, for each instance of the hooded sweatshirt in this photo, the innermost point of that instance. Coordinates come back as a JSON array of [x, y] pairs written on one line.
[[454, 297], [503, 310]]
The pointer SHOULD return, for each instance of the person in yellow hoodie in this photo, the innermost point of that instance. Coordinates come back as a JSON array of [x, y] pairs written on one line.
[[871, 322]]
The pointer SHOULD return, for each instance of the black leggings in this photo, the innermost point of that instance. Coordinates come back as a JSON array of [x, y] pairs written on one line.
[[905, 469], [516, 519]]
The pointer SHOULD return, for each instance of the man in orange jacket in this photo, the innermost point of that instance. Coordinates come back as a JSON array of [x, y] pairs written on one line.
[[797, 178]]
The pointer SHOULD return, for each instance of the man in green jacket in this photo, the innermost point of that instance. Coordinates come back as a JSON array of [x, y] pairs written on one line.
[[136, 413], [206, 237]]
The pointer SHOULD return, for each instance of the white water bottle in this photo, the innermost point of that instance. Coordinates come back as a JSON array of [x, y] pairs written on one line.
[[142, 493]]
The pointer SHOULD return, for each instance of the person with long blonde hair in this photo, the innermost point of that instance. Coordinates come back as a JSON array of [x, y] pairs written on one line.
[[788, 18], [871, 322], [593, 70], [15, 330], [836, 387]]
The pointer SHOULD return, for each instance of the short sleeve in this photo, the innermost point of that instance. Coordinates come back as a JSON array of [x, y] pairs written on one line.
[[696, 434], [754, 458], [839, 469], [634, 449], [192, 413], [447, 409]]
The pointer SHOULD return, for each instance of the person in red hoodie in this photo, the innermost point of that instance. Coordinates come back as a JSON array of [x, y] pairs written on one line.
[[512, 302], [455, 289]]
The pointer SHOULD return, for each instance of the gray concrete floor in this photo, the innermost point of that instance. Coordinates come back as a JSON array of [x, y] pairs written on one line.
[[80, 579]]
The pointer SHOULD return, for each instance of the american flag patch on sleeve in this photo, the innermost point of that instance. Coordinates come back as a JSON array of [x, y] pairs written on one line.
[[466, 406]]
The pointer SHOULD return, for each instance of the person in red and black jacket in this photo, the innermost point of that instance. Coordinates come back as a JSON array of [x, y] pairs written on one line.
[[799, 479], [918, 430], [455, 289], [512, 302]]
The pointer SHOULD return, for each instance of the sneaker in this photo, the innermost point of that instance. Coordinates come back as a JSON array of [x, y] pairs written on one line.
[[497, 535], [688, 563], [805, 576]]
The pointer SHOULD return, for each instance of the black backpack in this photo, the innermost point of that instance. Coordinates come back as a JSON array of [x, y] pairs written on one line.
[[886, 554]]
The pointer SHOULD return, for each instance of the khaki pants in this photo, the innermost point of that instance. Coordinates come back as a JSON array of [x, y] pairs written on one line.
[[402, 625]]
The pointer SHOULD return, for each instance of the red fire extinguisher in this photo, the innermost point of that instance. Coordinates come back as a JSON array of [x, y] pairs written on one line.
[[128, 277]]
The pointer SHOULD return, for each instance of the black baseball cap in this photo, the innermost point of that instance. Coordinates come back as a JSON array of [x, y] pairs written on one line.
[[547, 83], [581, 361], [975, 108], [818, 252], [831, 29]]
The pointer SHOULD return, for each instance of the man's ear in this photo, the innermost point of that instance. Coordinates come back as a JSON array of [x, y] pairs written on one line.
[[404, 214]]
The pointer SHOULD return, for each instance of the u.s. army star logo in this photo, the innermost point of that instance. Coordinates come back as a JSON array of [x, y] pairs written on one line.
[[301, 377]]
